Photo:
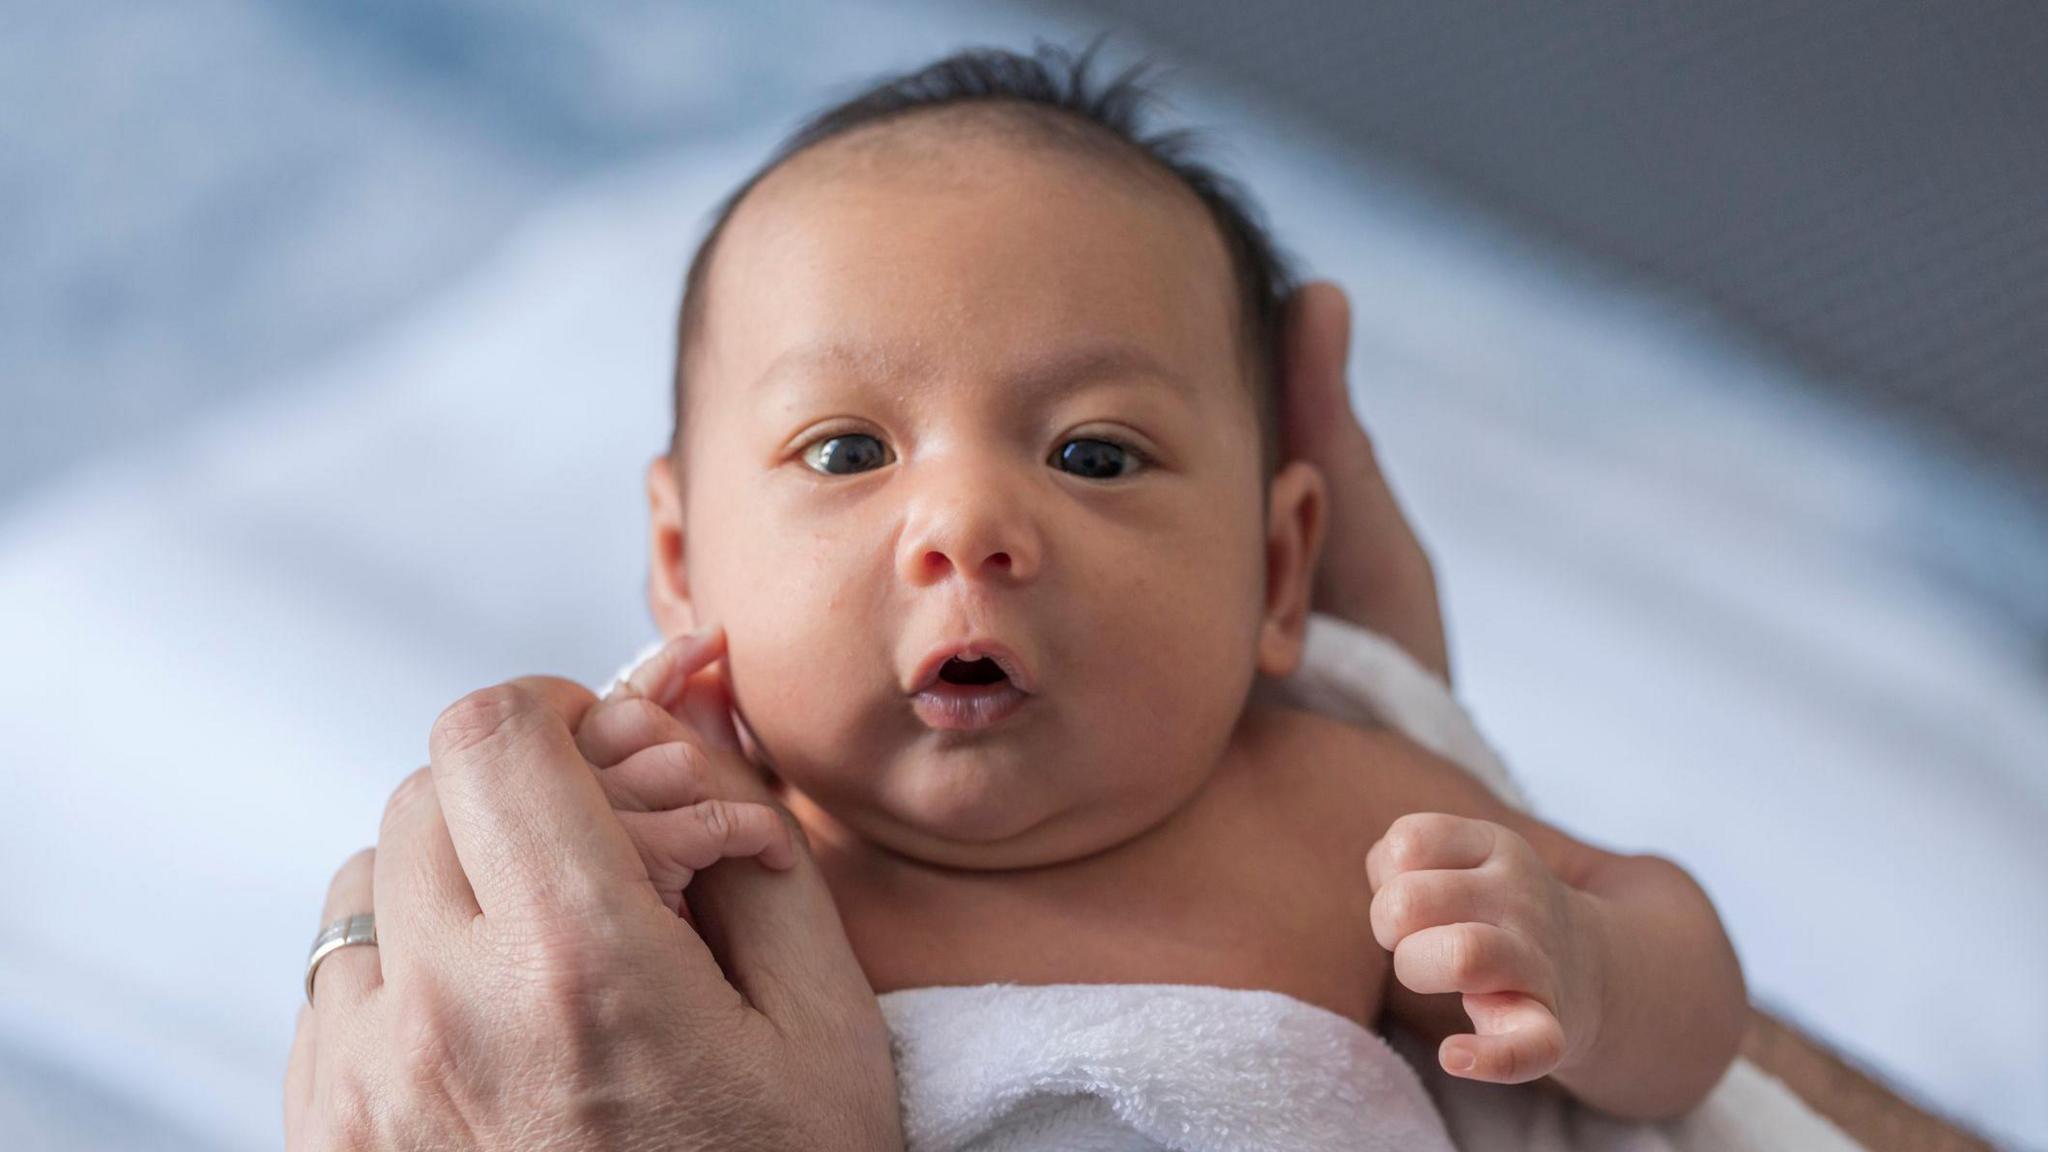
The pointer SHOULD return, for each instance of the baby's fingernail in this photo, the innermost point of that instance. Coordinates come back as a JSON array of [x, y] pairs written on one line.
[[1458, 1060]]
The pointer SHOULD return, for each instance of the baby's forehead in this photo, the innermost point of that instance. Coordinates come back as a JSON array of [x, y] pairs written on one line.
[[973, 222]]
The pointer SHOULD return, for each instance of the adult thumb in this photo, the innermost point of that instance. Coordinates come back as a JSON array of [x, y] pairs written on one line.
[[1316, 350]]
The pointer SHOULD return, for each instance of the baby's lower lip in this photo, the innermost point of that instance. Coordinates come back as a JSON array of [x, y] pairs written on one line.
[[966, 707]]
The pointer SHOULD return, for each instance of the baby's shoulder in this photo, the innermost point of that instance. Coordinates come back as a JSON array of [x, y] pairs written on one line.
[[1343, 784]]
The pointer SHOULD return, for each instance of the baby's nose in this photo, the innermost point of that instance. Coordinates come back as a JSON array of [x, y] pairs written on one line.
[[975, 531], [936, 562]]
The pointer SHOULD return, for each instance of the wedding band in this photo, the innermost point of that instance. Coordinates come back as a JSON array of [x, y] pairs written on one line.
[[357, 929]]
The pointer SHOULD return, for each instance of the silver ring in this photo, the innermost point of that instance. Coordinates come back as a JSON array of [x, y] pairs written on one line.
[[357, 929]]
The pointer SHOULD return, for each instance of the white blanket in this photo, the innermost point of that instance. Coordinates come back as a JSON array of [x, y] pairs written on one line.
[[1010, 1068]]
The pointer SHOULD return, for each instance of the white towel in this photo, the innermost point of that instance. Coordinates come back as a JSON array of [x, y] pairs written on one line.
[[1031, 1068]]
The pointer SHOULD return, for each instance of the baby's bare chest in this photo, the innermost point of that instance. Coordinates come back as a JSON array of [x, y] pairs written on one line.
[[1238, 896]]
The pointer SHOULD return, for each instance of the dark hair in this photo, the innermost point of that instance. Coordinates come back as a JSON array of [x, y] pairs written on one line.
[[1054, 86]]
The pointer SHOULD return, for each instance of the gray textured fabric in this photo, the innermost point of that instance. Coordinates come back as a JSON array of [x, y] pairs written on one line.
[[1863, 185]]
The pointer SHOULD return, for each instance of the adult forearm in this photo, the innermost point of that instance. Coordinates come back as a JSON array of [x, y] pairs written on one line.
[[1673, 1005]]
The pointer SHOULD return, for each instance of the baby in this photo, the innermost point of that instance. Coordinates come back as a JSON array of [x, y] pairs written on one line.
[[976, 487]]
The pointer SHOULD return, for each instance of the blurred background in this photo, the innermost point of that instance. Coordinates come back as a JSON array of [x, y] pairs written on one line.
[[1707, 344]]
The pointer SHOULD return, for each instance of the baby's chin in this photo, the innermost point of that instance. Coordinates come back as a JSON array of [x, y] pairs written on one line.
[[971, 816], [951, 826]]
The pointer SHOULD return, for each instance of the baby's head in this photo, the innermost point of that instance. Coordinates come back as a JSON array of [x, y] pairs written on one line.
[[970, 362]]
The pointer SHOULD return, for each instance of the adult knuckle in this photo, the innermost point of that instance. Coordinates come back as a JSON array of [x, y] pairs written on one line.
[[426, 1048], [561, 968], [348, 1113], [360, 862], [480, 718], [573, 1005], [411, 790]]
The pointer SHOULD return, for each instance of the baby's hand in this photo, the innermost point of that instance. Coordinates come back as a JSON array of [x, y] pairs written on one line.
[[1467, 906], [669, 758]]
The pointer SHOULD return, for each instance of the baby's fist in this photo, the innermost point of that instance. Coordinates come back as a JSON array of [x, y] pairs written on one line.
[[663, 744], [1468, 906]]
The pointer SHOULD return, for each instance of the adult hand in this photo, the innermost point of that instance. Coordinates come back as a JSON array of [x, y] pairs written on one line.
[[530, 989], [1373, 571]]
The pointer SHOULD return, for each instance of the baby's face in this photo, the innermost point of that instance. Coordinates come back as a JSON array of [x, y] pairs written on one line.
[[903, 405]]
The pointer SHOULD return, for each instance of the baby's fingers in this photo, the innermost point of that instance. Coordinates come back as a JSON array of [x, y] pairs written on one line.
[[671, 775], [1518, 1040], [618, 726], [677, 844], [662, 676], [1471, 957]]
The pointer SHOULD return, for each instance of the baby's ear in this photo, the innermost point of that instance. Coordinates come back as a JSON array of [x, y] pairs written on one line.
[[668, 580], [1297, 510]]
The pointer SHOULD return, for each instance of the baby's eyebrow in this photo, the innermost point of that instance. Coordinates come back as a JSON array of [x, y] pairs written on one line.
[[1046, 374]]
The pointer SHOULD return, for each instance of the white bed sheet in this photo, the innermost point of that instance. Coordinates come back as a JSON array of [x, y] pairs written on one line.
[[1693, 609]]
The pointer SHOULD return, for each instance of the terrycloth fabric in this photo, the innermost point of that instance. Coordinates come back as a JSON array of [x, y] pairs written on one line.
[[1147, 1066]]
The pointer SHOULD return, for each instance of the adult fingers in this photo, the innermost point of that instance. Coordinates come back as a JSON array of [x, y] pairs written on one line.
[[1373, 570], [531, 826], [1316, 350], [1518, 1040], [422, 894], [676, 845], [298, 1079], [347, 976]]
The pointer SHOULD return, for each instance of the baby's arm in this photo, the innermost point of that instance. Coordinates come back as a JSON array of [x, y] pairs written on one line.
[[1610, 973], [1674, 1006]]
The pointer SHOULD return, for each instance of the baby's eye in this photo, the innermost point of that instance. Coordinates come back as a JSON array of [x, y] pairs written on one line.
[[846, 454], [1094, 459]]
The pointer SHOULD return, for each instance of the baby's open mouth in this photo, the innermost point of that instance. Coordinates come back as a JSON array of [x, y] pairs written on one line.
[[969, 692], [980, 671]]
